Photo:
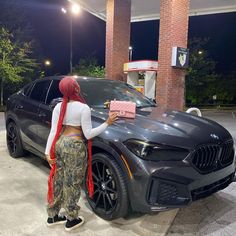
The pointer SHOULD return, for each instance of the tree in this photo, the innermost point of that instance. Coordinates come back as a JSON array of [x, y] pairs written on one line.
[[202, 82], [201, 77], [225, 88], [14, 18], [19, 65], [89, 67], [16, 63]]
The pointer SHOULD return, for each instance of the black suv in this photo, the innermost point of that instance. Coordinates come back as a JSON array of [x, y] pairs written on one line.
[[158, 161]]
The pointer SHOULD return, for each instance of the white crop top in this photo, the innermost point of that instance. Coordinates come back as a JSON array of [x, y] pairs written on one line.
[[77, 114]]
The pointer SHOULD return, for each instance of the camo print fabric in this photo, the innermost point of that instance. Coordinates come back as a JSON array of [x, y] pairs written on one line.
[[71, 165]]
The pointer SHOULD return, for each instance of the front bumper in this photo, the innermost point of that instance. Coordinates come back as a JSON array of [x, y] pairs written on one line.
[[164, 193], [168, 185]]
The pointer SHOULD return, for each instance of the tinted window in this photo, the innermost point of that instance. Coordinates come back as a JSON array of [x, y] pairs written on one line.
[[40, 90], [26, 89], [54, 92], [96, 93]]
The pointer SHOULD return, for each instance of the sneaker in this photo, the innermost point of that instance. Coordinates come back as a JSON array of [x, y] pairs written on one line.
[[73, 224], [56, 220]]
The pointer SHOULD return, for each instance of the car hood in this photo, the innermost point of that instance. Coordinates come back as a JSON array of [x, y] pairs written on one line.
[[168, 127]]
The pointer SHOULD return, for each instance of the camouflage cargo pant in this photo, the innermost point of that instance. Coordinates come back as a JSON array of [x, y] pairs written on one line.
[[71, 165]]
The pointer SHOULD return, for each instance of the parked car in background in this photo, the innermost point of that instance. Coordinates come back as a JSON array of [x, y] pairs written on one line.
[[160, 160]]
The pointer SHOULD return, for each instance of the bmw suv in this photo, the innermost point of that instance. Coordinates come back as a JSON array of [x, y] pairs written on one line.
[[162, 159]]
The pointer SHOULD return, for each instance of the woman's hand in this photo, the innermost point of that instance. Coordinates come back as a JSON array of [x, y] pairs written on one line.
[[112, 118], [50, 161]]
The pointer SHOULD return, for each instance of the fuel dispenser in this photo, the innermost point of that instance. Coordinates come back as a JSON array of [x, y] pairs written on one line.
[[142, 75]]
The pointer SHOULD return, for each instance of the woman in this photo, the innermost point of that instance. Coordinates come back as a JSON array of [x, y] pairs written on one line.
[[67, 154]]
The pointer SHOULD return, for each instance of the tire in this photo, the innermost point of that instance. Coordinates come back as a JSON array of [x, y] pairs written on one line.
[[110, 200], [14, 143]]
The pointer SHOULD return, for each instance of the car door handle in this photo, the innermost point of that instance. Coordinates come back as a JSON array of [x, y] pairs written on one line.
[[42, 114], [19, 107]]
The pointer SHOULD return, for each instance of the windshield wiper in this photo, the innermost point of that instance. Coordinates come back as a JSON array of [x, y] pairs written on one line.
[[151, 105]]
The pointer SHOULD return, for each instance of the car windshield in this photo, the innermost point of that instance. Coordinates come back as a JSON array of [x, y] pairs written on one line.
[[96, 93]]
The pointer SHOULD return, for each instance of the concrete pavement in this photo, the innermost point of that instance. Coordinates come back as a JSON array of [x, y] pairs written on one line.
[[23, 188], [215, 215]]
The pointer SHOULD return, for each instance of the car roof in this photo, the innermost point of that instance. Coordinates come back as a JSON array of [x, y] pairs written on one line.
[[78, 78]]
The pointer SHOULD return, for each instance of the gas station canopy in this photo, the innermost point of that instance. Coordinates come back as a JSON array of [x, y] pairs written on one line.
[[150, 9]]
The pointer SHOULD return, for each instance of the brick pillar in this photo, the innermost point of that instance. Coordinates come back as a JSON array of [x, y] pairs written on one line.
[[173, 32], [117, 37]]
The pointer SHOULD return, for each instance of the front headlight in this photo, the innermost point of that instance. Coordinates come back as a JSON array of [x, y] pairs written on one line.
[[155, 152]]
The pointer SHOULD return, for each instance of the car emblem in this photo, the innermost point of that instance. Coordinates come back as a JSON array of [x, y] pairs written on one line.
[[214, 136]]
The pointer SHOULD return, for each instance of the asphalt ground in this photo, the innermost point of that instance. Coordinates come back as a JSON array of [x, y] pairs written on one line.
[[23, 188]]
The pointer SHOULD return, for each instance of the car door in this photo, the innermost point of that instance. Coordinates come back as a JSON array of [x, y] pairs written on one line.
[[28, 112], [45, 111]]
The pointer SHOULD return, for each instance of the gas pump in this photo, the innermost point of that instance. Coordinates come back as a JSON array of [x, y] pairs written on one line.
[[142, 75]]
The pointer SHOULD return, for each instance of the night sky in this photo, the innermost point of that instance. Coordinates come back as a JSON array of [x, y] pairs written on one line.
[[52, 31]]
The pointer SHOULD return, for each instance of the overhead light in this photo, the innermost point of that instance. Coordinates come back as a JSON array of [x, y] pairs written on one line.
[[63, 10], [75, 9]]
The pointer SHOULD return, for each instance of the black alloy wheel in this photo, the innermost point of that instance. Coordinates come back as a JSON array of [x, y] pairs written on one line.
[[14, 143], [110, 199]]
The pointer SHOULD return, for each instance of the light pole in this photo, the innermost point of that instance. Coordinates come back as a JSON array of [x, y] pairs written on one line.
[[73, 11], [130, 53], [47, 64]]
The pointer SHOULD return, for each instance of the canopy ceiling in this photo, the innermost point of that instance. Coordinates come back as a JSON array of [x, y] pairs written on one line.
[[143, 10]]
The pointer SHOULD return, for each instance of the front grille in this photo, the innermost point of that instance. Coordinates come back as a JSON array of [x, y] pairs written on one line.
[[211, 188], [227, 153], [205, 158], [213, 157]]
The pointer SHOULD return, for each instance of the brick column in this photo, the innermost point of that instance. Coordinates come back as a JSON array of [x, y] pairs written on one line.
[[117, 37], [173, 32]]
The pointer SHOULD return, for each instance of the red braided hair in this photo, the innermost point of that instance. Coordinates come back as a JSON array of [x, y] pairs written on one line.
[[71, 91]]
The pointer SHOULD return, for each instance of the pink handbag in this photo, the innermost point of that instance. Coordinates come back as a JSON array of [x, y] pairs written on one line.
[[123, 108]]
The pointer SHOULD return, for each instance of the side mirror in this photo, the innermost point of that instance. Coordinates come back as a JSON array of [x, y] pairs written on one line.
[[55, 101]]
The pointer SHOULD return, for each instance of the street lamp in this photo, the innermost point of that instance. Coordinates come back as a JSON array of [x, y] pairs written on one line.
[[47, 64], [74, 10], [63, 10], [130, 53]]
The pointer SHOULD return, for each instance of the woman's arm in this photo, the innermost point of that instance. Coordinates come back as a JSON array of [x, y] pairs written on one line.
[[86, 124]]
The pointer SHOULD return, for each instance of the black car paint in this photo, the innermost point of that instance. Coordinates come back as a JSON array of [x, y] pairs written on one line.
[[173, 128]]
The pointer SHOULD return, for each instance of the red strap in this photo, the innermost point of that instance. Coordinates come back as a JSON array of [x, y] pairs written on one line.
[[50, 185], [90, 185]]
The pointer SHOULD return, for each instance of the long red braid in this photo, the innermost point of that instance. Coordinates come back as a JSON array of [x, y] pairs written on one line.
[[70, 90]]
